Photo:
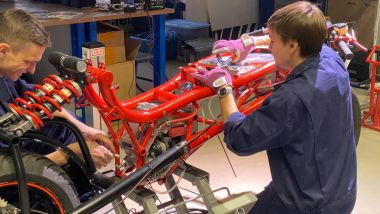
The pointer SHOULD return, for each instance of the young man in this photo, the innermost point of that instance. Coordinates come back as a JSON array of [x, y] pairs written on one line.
[[306, 125], [22, 43]]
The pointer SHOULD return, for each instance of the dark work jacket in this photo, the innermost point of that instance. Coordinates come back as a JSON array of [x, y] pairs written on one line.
[[9, 91], [306, 126]]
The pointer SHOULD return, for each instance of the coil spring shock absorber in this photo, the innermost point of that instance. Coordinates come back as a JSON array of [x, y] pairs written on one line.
[[42, 102]]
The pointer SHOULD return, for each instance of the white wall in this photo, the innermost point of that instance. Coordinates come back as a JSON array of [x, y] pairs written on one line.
[[227, 13], [223, 13], [196, 10]]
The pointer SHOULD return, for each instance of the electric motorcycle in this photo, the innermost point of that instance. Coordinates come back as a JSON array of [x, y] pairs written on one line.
[[156, 131]]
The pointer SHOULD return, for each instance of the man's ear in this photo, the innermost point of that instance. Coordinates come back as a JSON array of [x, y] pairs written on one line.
[[293, 45], [4, 49]]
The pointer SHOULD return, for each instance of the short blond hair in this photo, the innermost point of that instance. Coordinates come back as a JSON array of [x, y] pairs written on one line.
[[19, 27]]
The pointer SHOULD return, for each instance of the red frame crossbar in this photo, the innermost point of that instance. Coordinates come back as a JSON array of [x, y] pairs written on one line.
[[112, 109], [371, 117]]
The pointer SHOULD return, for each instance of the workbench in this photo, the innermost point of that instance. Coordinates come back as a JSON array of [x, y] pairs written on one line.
[[83, 27]]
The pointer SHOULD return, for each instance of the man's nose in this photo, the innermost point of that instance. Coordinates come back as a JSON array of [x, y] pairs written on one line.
[[32, 68]]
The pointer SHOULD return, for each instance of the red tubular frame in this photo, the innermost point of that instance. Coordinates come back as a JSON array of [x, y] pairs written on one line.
[[371, 117], [112, 109]]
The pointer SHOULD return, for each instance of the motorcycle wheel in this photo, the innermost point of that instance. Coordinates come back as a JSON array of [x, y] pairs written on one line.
[[50, 188]]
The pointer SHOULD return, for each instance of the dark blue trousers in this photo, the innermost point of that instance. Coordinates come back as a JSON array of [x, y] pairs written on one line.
[[269, 203]]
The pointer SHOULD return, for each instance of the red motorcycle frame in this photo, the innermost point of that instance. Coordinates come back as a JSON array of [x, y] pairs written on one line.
[[166, 116], [181, 109], [168, 113]]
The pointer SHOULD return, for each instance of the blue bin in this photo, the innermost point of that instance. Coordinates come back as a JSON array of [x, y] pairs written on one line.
[[186, 29], [171, 44], [144, 42]]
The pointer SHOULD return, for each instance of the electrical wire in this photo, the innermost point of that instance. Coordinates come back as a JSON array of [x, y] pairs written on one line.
[[228, 158], [198, 196], [132, 211], [171, 188], [151, 30], [133, 66], [190, 210], [132, 189], [203, 178], [151, 169], [210, 106], [203, 116], [158, 198], [133, 79], [150, 45]]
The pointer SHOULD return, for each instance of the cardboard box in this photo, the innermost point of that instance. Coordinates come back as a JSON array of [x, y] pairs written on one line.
[[362, 13], [113, 39], [95, 52], [124, 76], [132, 47]]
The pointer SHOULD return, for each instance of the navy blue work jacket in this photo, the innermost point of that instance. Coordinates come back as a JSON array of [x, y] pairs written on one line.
[[306, 126], [9, 91]]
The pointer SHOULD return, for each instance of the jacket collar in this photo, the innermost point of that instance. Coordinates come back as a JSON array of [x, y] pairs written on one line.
[[308, 63], [4, 91]]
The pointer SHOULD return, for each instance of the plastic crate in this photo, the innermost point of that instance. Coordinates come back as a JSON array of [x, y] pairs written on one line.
[[171, 44], [187, 30], [197, 49], [144, 39]]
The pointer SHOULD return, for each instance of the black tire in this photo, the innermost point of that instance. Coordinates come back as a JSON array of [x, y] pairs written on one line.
[[357, 117], [44, 178]]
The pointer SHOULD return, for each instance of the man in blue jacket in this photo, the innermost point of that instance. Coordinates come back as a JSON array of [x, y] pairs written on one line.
[[306, 125], [23, 41]]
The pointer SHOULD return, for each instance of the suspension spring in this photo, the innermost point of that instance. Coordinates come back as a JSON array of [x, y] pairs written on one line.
[[46, 99]]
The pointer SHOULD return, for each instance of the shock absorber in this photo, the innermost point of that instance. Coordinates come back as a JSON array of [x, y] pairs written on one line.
[[50, 83], [27, 112]]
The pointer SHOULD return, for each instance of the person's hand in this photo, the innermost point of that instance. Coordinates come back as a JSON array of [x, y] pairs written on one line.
[[101, 139], [98, 136], [215, 78], [262, 41], [87, 131], [100, 154], [240, 47]]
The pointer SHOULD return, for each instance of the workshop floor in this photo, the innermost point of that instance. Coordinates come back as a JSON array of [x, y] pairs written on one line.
[[252, 173]]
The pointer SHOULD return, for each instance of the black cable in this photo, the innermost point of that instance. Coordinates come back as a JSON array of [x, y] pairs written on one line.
[[188, 190], [197, 209], [151, 187], [151, 29], [151, 169], [191, 210], [228, 158], [133, 80], [133, 180], [132, 189], [150, 45], [79, 137], [116, 190], [132, 211], [133, 66]]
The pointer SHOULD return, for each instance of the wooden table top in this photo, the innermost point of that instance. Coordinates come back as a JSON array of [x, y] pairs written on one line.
[[74, 15]]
